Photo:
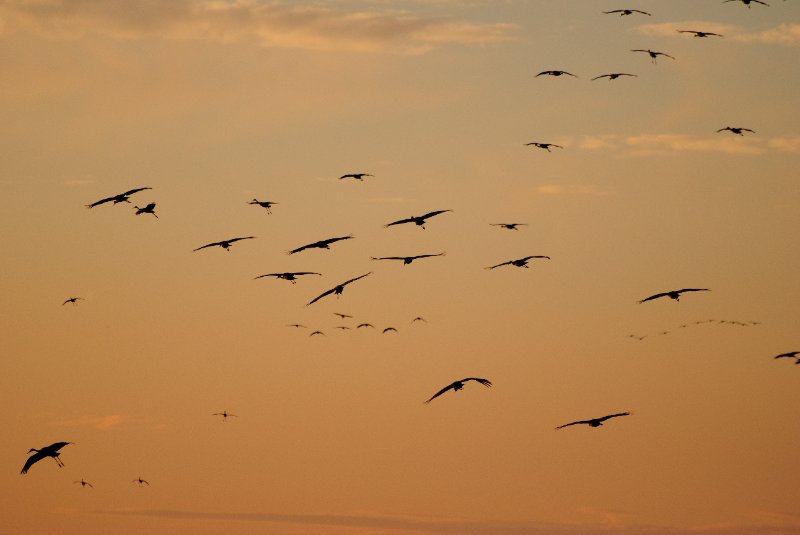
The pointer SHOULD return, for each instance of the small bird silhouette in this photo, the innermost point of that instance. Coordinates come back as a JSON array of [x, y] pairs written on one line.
[[47, 451], [322, 244], [342, 327], [389, 330], [84, 483], [357, 176], [225, 415], [747, 2], [341, 315], [595, 422], [521, 262], [362, 325], [419, 318], [674, 294], [225, 244], [73, 300], [545, 146], [458, 385], [623, 12], [555, 73], [149, 209], [697, 33], [406, 259], [736, 130], [141, 482], [613, 75], [417, 220], [267, 205], [509, 226], [290, 276], [116, 199], [317, 332], [297, 326], [653, 54], [791, 355], [337, 290]]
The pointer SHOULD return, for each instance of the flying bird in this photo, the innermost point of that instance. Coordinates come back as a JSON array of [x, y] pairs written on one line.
[[342, 327], [361, 325], [623, 12], [267, 205], [389, 330], [555, 73], [674, 294], [790, 354], [736, 130], [522, 262], [47, 451], [322, 244], [595, 422], [509, 226], [122, 197], [337, 290], [297, 326], [149, 209], [225, 244], [73, 300], [545, 146], [700, 34], [83, 483], [613, 75], [406, 259], [290, 276], [343, 316], [458, 385], [419, 318], [317, 332], [225, 415], [747, 2], [140, 481], [417, 220], [653, 54], [357, 176]]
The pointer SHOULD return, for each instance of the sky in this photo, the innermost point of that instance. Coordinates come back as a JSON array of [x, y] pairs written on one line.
[[212, 104]]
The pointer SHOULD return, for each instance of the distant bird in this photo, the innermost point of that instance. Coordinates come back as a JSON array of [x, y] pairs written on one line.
[[458, 385], [225, 415], [406, 259], [653, 54], [674, 294], [337, 290], [389, 330], [790, 354], [417, 220], [140, 481], [84, 483], [737, 130], [267, 205], [225, 244], [149, 209], [322, 244], [357, 176], [297, 326], [637, 337], [343, 316], [73, 300], [122, 197], [623, 12], [555, 73], [342, 327], [419, 318], [747, 2], [613, 75], [545, 146], [290, 276], [509, 226], [522, 262], [47, 451], [361, 325], [595, 422], [700, 34], [317, 332]]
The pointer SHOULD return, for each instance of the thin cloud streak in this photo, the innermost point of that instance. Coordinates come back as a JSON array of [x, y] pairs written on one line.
[[784, 34]]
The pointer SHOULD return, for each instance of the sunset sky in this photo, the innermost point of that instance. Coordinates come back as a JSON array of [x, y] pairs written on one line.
[[214, 103]]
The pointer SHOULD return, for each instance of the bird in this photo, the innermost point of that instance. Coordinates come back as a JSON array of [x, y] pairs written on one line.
[[417, 220], [342, 327], [509, 226], [790, 354], [297, 326], [322, 244], [290, 276], [419, 318], [623, 12], [149, 209], [406, 259], [458, 385], [613, 75], [361, 325], [357, 176], [747, 2], [521, 262], [595, 422], [545, 146], [337, 290], [122, 197], [84, 483], [317, 332], [389, 330], [341, 315], [225, 415], [736, 130], [225, 244], [555, 73], [47, 451], [73, 300], [653, 54], [267, 205], [140, 481], [674, 294], [700, 34]]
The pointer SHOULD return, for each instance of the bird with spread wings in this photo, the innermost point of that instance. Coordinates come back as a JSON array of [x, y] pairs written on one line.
[[290, 276], [595, 422], [116, 199], [623, 12], [417, 220], [458, 385], [322, 244], [225, 244], [521, 262], [47, 451], [674, 294], [406, 259], [337, 290]]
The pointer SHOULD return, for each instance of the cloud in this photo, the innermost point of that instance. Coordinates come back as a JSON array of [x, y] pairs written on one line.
[[102, 423], [785, 144], [648, 144], [606, 142], [313, 26], [784, 34]]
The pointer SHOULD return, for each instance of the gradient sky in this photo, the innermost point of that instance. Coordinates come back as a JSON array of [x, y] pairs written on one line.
[[214, 103]]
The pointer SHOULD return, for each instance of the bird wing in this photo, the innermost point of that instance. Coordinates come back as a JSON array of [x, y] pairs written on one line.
[[38, 456], [208, 245], [304, 273], [132, 191], [573, 423], [498, 265], [388, 258], [601, 76], [237, 239], [431, 214], [693, 290], [304, 247], [387, 329], [332, 240], [604, 418], [400, 221], [442, 391], [355, 279], [484, 382], [533, 256], [791, 354], [101, 201], [320, 296], [426, 255], [656, 296]]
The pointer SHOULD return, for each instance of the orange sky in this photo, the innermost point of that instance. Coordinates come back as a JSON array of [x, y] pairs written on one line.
[[212, 104]]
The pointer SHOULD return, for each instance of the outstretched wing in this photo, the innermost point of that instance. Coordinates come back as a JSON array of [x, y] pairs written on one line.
[[320, 296], [400, 221], [485, 382], [791, 354], [498, 265], [693, 290], [656, 296], [425, 256], [355, 279], [101, 201], [208, 245], [388, 258], [132, 191], [533, 256], [604, 418], [36, 457], [237, 239], [442, 391], [573, 423], [431, 214], [333, 240]]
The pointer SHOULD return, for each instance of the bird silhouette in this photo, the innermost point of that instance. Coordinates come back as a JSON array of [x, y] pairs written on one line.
[[322, 244], [623, 12], [337, 290], [149, 209], [555, 73], [141, 482], [791, 355], [297, 326], [521, 262], [653, 54], [225, 415], [290, 276], [417, 220], [341, 315], [406, 259], [317, 332], [84, 483], [357, 176], [122, 197], [508, 226], [747, 2], [697, 33], [458, 385], [267, 205], [545, 146], [595, 422], [342, 327], [419, 318], [47, 451], [736, 130], [225, 244], [389, 330], [73, 300], [674, 294], [362, 325], [613, 75]]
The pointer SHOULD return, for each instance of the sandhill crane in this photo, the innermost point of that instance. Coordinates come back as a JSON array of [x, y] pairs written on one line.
[[521, 262], [225, 415], [406, 259], [297, 326], [225, 244], [545, 146], [322, 244], [697, 33], [623, 12], [141, 482], [674, 294], [116, 199], [342, 327], [555, 73], [613, 75], [47, 451], [149, 209], [290, 276], [653, 54], [357, 176], [509, 226], [595, 422], [747, 2], [389, 330], [342, 316], [419, 318], [790, 354], [458, 385], [417, 220], [267, 205], [337, 290], [736, 130], [73, 300], [317, 332], [84, 483], [362, 325]]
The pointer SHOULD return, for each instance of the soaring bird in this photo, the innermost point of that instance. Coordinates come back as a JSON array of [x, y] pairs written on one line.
[[47, 451], [225, 415], [341, 315], [545, 146], [509, 226], [791, 355], [747, 2], [417, 220], [674, 294], [595, 422], [149, 209], [84, 483], [697, 33], [357, 176], [613, 75], [736, 130], [623, 12], [419, 318], [361, 325], [458, 385], [225, 244], [317, 332], [290, 276], [122, 197], [141, 482], [406, 259], [297, 326], [322, 244], [389, 330], [73, 300], [653, 54], [267, 205], [342, 327], [521, 262], [337, 290], [555, 73]]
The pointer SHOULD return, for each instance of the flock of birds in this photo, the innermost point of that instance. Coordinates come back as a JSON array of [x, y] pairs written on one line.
[[54, 450]]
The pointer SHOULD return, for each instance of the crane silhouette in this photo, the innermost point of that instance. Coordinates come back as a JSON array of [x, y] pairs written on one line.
[[545, 146], [337, 290], [406, 259], [555, 73], [791, 355], [595, 422], [116, 199], [297, 326], [84, 483], [73, 300], [747, 2], [149, 209], [419, 318], [141, 482], [613, 75], [225, 244], [623, 12], [362, 325], [290, 276], [225, 415], [322, 244], [317, 332], [389, 330], [267, 205], [48, 451], [653, 54], [674, 294], [417, 220], [458, 385], [357, 176], [509, 226], [738, 130], [521, 262], [343, 316], [697, 33]]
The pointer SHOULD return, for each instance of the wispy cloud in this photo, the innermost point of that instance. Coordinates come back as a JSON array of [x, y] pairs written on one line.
[[606, 142], [784, 34], [785, 144], [306, 25], [102, 423]]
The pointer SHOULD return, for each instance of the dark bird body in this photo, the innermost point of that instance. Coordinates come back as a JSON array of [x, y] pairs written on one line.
[[697, 33], [623, 12], [458, 385], [736, 130], [555, 73], [290, 276], [613, 75], [322, 244], [545, 146], [357, 176], [406, 259], [521, 262], [47, 451], [225, 244], [508, 226], [417, 220], [674, 294], [149, 209], [653, 54], [337, 290], [595, 422], [116, 199], [267, 205]]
